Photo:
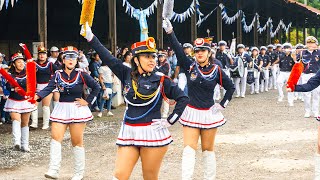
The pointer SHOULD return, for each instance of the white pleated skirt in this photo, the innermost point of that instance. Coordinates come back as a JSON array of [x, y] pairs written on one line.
[[41, 86], [69, 112], [19, 106], [201, 118], [143, 135]]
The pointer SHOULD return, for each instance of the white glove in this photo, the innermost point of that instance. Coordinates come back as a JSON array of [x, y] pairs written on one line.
[[86, 32], [167, 26], [216, 108], [159, 124], [175, 80]]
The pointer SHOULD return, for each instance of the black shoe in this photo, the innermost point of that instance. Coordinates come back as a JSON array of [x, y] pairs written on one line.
[[112, 107], [8, 122]]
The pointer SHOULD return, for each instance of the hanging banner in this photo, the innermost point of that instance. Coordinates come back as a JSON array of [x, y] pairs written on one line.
[[247, 28], [130, 9], [262, 29], [6, 3], [194, 7], [200, 21], [229, 20]]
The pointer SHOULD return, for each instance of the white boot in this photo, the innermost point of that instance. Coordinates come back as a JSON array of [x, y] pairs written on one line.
[[16, 132], [79, 157], [25, 139], [317, 167], [114, 178], [188, 162], [209, 165], [34, 118], [55, 103], [45, 116], [55, 160]]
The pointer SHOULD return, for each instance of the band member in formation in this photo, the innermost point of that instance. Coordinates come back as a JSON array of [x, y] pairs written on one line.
[[286, 63], [274, 68], [18, 106], [255, 66], [264, 77], [45, 70], [163, 67], [71, 111], [310, 59], [311, 55], [143, 133], [201, 116], [243, 56]]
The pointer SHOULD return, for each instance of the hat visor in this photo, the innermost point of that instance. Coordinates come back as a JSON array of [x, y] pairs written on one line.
[[198, 48], [146, 51]]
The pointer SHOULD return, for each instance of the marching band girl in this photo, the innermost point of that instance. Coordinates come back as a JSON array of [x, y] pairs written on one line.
[[45, 70], [143, 133], [18, 106], [201, 116], [241, 90], [264, 85], [256, 66], [71, 111], [286, 63]]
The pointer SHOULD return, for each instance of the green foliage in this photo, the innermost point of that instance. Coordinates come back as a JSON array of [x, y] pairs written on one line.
[[313, 3]]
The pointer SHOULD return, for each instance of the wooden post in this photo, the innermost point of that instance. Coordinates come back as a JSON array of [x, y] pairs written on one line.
[[42, 22], [289, 36], [255, 33], [159, 25], [297, 33], [239, 24], [316, 31], [219, 23], [304, 31], [194, 33], [112, 8], [280, 36]]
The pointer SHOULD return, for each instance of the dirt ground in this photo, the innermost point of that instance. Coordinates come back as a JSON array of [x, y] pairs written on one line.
[[262, 140]]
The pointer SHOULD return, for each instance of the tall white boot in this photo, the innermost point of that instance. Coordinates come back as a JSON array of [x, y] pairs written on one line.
[[317, 167], [55, 160], [16, 133], [114, 178], [188, 162], [45, 116], [79, 157], [55, 103], [25, 139], [209, 165], [34, 118]]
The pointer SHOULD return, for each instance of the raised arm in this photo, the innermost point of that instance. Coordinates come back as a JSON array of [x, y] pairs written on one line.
[[120, 70], [183, 60]]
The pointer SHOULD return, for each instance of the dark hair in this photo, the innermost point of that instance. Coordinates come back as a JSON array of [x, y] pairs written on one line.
[[134, 73], [125, 55], [12, 68]]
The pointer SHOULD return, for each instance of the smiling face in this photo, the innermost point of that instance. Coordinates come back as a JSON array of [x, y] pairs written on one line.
[[70, 61], [202, 55], [19, 64], [42, 56], [147, 61]]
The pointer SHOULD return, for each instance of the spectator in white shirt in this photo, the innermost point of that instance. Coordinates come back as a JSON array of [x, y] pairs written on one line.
[[106, 81]]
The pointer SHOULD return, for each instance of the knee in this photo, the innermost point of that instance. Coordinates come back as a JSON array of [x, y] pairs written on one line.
[[57, 137], [121, 175], [150, 174], [77, 142]]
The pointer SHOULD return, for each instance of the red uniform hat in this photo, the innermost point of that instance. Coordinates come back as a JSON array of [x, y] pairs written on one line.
[[70, 50], [42, 49], [16, 56], [201, 43], [148, 46]]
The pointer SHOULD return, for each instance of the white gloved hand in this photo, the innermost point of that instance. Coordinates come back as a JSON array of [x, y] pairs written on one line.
[[175, 80], [216, 108], [86, 32], [159, 124], [167, 26]]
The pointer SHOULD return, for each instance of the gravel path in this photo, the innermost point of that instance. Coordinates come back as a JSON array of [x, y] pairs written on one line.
[[262, 139]]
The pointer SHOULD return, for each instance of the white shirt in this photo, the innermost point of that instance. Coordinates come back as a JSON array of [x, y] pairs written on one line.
[[51, 59], [106, 74], [127, 64]]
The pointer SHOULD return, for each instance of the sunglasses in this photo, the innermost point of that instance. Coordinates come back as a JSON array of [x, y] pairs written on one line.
[[311, 41], [71, 56]]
